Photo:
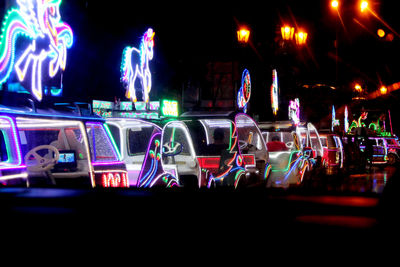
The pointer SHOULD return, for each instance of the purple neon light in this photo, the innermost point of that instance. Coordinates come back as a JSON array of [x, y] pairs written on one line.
[[106, 163], [146, 156]]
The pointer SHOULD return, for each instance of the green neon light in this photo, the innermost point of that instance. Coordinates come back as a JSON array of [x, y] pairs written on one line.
[[274, 169], [169, 108], [113, 141]]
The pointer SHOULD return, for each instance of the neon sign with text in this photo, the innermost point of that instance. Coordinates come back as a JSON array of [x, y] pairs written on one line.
[[135, 64], [169, 108], [40, 22]]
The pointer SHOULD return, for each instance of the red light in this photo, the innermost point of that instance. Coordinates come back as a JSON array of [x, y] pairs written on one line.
[[249, 160], [114, 179], [209, 163]]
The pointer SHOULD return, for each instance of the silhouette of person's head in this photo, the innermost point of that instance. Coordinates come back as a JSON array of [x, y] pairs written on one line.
[[275, 138], [219, 136]]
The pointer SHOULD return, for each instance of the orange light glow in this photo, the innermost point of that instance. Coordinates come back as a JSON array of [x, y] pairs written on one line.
[[287, 32], [243, 35], [358, 87], [383, 90], [334, 4], [381, 33], [301, 38], [363, 5]]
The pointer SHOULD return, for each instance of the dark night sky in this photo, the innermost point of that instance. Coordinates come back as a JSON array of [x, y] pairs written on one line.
[[188, 35]]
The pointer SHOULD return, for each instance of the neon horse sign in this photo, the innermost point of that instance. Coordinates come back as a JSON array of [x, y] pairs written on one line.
[[39, 21], [135, 64]]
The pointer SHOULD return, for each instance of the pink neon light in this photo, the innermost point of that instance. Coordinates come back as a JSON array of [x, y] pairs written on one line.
[[106, 163]]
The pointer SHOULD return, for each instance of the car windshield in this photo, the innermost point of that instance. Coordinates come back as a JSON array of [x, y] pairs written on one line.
[[218, 134], [279, 141]]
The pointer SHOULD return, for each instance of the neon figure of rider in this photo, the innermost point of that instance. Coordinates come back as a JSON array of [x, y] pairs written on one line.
[[135, 64]]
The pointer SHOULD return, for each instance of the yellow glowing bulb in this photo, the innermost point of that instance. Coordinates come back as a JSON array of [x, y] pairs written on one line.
[[364, 5], [334, 4]]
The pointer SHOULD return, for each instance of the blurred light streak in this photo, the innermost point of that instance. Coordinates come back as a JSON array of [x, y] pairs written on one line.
[[383, 22]]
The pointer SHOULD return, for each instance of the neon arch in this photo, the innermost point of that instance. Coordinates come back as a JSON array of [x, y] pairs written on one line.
[[36, 20]]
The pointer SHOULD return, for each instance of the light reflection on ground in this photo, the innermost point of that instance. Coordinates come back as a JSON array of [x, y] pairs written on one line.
[[373, 181]]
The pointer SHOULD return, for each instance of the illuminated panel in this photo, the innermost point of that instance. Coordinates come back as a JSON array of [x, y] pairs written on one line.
[[114, 179], [37, 21], [98, 104], [127, 106], [169, 108], [274, 92], [249, 160], [135, 65], [209, 163], [294, 111], [335, 122], [346, 120], [140, 105], [244, 92]]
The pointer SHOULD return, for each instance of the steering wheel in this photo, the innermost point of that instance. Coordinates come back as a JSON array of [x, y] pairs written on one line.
[[243, 144], [290, 144], [169, 150], [42, 163]]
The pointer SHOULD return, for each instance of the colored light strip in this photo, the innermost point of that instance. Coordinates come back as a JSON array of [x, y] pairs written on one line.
[[16, 144], [23, 175], [274, 92]]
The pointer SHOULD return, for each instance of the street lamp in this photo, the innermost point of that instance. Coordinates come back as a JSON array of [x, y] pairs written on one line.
[[358, 88], [363, 5], [243, 35], [334, 4], [301, 37], [287, 33], [383, 90]]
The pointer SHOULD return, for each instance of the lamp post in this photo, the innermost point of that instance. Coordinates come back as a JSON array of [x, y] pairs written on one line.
[[243, 35], [287, 32]]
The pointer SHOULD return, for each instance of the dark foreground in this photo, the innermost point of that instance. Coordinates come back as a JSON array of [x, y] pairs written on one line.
[[203, 222]]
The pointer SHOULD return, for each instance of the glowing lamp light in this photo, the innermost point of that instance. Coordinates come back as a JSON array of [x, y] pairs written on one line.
[[334, 4], [363, 6], [358, 88], [381, 33], [383, 90], [287, 33], [243, 35], [301, 38]]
